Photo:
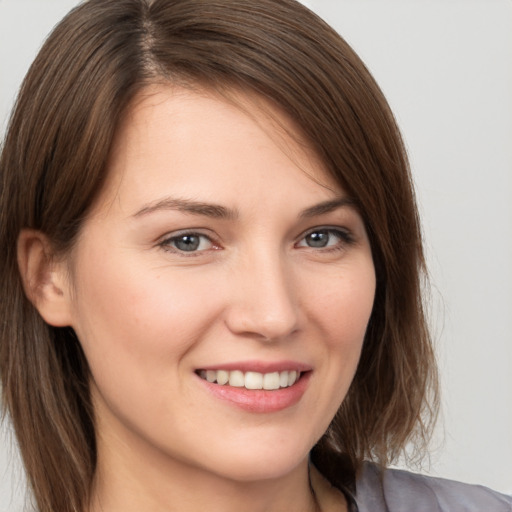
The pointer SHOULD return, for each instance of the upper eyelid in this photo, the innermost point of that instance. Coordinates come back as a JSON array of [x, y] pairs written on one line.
[[187, 231], [330, 228], [206, 232]]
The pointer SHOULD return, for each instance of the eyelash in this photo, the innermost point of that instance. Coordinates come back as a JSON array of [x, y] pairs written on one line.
[[344, 236], [166, 244]]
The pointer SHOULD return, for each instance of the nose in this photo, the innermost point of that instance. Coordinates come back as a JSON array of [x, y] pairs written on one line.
[[263, 303]]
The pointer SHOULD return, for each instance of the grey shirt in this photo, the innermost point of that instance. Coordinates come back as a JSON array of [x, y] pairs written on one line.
[[400, 491]]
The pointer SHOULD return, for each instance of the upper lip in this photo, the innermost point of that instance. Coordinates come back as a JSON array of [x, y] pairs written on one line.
[[260, 366]]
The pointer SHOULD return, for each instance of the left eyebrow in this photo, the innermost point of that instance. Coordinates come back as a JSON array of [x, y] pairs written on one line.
[[327, 207]]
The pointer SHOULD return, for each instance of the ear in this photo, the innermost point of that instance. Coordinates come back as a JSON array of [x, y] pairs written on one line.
[[45, 278]]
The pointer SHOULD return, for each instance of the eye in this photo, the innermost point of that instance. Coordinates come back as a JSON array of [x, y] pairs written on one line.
[[187, 242], [325, 238]]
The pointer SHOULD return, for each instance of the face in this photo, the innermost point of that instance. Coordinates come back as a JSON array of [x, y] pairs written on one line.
[[221, 288]]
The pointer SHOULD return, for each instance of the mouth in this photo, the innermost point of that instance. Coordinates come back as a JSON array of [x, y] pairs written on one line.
[[257, 386], [251, 380]]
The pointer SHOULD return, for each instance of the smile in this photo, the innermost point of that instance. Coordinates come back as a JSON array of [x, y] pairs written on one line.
[[251, 380]]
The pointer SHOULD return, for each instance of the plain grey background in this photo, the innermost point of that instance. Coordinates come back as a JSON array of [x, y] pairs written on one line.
[[446, 68]]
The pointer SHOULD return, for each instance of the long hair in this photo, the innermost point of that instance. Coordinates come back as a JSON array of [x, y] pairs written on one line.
[[52, 167]]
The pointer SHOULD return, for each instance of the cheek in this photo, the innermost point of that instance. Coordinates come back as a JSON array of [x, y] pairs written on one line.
[[343, 309], [136, 329], [343, 304], [126, 315]]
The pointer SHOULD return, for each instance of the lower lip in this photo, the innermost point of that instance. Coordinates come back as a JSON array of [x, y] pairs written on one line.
[[260, 400]]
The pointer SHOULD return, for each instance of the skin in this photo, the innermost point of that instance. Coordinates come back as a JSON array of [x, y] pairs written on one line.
[[149, 315]]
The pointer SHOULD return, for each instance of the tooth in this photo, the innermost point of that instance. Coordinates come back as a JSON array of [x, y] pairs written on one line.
[[222, 377], [236, 379], [271, 381], [253, 380]]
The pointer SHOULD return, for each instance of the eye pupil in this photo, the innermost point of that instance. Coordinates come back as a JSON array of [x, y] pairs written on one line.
[[187, 243], [317, 239]]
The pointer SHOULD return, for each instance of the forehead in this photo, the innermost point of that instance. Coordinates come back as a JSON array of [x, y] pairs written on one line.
[[211, 141], [227, 105]]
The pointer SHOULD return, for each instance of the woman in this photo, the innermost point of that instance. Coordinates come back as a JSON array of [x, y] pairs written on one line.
[[212, 269]]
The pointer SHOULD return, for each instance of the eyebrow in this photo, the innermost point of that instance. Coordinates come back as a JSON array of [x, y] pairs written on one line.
[[327, 207], [221, 212], [189, 206]]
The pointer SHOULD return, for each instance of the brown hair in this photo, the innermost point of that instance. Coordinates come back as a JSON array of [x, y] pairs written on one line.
[[53, 165]]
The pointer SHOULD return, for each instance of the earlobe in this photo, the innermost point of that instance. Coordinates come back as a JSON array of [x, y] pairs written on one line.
[[45, 278]]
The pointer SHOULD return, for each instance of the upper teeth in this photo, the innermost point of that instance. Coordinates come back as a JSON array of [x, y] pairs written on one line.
[[251, 380]]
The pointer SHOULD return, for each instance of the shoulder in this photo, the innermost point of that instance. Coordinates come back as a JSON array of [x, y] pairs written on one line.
[[390, 490]]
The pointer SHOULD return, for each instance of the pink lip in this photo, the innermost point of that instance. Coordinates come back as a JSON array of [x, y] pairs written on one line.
[[259, 401], [260, 366]]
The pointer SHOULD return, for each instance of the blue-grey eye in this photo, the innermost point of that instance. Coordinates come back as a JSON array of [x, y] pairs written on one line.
[[318, 238], [188, 242], [324, 238]]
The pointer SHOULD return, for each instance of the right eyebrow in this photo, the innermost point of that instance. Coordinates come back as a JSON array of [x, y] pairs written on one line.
[[188, 206]]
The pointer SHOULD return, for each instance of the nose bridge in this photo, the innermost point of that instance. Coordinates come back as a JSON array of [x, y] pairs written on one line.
[[264, 303]]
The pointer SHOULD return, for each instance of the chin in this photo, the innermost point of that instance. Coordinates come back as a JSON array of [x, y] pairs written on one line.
[[261, 462]]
